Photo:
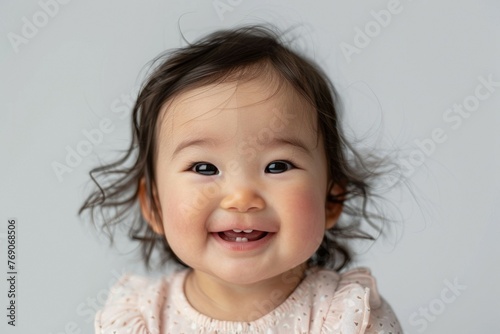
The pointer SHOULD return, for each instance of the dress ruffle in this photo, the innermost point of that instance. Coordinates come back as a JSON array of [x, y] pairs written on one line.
[[358, 307], [350, 310], [134, 305]]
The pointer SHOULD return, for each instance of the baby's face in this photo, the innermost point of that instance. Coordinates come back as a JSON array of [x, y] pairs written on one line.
[[241, 180]]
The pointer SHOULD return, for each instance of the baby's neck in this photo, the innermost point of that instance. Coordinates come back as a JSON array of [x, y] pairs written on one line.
[[224, 301]]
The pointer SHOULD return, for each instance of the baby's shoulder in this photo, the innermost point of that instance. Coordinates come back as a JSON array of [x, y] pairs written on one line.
[[352, 303], [135, 302]]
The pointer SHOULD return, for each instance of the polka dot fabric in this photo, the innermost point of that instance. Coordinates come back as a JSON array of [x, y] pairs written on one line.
[[324, 302]]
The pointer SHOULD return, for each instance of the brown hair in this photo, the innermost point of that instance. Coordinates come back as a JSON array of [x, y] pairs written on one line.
[[213, 58]]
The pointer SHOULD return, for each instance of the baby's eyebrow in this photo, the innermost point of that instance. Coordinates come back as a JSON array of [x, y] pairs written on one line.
[[289, 141], [273, 143], [193, 142]]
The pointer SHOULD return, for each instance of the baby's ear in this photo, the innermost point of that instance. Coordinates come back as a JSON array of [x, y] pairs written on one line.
[[146, 209], [334, 209]]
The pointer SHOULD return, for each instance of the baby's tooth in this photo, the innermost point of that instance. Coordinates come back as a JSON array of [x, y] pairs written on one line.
[[244, 239], [236, 230], [248, 231], [239, 239]]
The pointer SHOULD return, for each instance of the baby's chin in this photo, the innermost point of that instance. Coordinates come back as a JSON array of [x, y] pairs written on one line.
[[245, 277], [248, 276]]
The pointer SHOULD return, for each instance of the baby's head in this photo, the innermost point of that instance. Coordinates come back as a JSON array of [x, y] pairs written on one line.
[[240, 168]]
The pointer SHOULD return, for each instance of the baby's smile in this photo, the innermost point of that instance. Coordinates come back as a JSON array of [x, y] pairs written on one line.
[[242, 236], [242, 241]]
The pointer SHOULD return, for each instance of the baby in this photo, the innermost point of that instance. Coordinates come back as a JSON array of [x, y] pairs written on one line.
[[241, 173]]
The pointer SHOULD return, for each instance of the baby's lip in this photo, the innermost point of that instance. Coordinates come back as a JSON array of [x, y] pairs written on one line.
[[245, 227], [244, 230]]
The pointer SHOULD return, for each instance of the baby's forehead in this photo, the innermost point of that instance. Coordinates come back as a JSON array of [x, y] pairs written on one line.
[[246, 97]]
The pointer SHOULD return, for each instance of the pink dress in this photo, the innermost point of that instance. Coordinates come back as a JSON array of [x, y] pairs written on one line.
[[324, 302]]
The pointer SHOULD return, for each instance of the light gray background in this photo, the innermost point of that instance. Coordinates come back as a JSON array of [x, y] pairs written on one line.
[[85, 60]]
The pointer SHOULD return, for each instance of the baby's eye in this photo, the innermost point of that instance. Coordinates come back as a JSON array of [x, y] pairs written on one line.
[[204, 168], [277, 167]]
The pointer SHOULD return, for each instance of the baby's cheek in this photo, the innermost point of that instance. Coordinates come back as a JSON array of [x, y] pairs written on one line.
[[307, 213], [175, 208], [179, 228], [178, 214], [307, 203]]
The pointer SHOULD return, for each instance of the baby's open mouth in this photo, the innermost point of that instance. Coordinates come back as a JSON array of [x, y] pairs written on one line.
[[242, 235]]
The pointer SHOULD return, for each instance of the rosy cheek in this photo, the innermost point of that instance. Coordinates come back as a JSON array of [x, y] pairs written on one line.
[[306, 202], [305, 239], [174, 208], [175, 222], [308, 214]]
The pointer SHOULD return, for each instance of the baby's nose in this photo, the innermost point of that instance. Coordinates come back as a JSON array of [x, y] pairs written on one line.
[[243, 200]]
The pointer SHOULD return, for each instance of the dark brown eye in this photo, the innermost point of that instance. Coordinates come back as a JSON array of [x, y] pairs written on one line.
[[205, 169], [277, 167]]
